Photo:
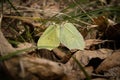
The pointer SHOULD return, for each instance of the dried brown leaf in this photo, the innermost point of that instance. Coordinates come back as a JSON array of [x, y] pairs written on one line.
[[109, 62]]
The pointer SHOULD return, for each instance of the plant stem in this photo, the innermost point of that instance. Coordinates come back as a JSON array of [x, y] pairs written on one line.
[[80, 66]]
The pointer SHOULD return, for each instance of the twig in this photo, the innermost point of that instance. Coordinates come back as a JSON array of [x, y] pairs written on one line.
[[101, 76], [1, 16]]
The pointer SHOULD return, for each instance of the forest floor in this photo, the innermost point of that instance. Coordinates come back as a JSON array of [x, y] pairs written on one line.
[[24, 21]]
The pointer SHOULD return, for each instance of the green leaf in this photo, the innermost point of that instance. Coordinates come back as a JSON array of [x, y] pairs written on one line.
[[49, 39], [71, 37]]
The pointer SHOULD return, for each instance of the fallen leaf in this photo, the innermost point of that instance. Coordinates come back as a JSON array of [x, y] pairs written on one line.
[[109, 62]]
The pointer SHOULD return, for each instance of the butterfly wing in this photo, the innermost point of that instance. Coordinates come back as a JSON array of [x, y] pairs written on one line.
[[71, 37], [49, 39]]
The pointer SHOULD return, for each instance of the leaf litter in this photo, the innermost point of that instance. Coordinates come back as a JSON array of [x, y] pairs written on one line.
[[100, 59]]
